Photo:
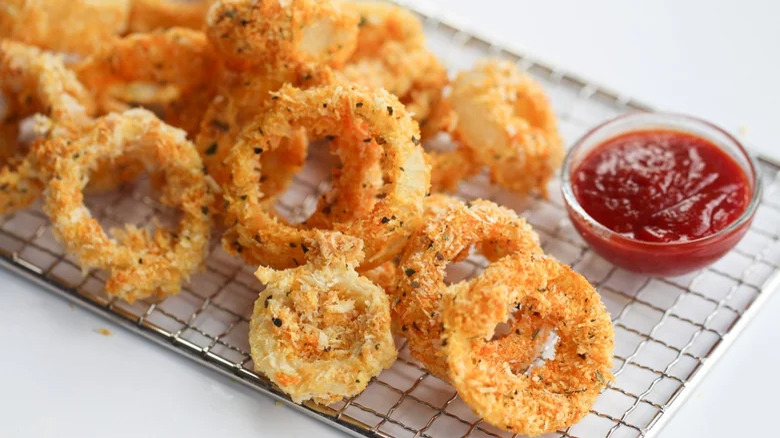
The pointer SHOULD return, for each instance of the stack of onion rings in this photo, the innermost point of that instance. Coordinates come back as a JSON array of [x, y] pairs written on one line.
[[451, 229], [178, 58], [320, 331], [260, 80]]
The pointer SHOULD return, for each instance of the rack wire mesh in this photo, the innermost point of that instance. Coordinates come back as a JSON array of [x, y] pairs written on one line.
[[669, 331]]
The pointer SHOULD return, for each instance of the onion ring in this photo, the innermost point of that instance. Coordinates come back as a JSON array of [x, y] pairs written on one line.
[[506, 120], [75, 26], [148, 15], [181, 58], [141, 264], [251, 33], [391, 54], [450, 229], [35, 82], [320, 331], [243, 97], [554, 395], [262, 239]]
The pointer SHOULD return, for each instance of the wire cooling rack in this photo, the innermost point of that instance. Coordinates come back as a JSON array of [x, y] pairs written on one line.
[[669, 331]]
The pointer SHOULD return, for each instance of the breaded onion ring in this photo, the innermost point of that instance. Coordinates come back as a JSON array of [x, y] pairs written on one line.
[[507, 121], [320, 331], [261, 238], [140, 264], [34, 82], [243, 97], [554, 395], [178, 58], [74, 26], [451, 229], [148, 15], [391, 54], [381, 22], [250, 33]]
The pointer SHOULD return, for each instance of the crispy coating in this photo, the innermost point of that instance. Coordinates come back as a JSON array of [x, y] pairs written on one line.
[[381, 22], [451, 229], [139, 263], [554, 395], [320, 331], [73, 26], [248, 33], [507, 121], [34, 82], [327, 111], [179, 60], [148, 15], [391, 54], [242, 97]]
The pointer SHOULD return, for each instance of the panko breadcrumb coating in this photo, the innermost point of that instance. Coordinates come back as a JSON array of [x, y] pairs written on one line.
[[528, 287], [261, 238], [35, 82], [506, 120], [180, 60], [320, 331], [391, 54], [139, 264], [73, 26], [249, 33], [451, 228]]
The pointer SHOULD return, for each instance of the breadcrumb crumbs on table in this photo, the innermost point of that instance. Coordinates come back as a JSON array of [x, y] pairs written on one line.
[[103, 331]]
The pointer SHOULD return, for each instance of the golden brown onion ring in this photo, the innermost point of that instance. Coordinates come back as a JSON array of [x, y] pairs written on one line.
[[178, 58], [320, 331], [328, 111], [139, 264], [243, 97], [35, 82], [391, 54], [551, 396], [73, 26], [451, 228], [506, 120], [251, 33]]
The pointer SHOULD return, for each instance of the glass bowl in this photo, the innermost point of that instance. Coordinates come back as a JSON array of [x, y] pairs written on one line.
[[653, 258]]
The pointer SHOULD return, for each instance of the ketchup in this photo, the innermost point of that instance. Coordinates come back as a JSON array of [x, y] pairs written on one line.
[[661, 186]]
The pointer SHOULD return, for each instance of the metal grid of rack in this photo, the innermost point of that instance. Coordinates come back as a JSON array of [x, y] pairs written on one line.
[[669, 331]]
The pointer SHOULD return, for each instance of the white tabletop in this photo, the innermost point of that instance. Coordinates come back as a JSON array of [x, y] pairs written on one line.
[[717, 59]]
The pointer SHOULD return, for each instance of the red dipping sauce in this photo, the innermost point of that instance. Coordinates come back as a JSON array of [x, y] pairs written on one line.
[[660, 194], [661, 186]]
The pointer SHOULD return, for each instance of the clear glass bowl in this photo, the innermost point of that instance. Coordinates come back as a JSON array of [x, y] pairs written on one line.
[[652, 258]]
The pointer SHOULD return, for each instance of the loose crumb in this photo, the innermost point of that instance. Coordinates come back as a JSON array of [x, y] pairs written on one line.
[[104, 332], [278, 403]]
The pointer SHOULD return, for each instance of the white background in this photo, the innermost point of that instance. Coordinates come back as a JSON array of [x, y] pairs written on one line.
[[716, 59]]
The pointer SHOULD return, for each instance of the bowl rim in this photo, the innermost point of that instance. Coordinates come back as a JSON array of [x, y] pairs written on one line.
[[570, 200]]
